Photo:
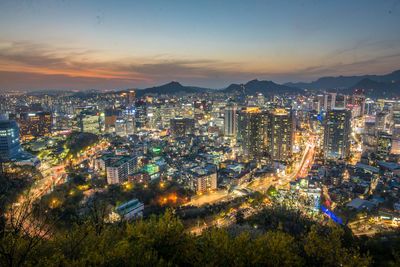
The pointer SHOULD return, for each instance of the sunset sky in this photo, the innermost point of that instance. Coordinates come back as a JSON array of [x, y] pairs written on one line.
[[65, 44]]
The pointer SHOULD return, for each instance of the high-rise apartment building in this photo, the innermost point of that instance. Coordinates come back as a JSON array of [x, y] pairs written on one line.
[[230, 120], [280, 134], [337, 134], [383, 146], [251, 132]]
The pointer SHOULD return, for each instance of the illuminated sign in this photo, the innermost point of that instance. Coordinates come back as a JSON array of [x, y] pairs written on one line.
[[156, 150], [331, 215]]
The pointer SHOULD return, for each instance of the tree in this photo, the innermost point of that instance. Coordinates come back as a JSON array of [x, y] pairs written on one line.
[[324, 247], [271, 191]]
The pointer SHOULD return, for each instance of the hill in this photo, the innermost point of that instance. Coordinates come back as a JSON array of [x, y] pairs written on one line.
[[265, 87], [376, 89], [344, 82], [170, 89]]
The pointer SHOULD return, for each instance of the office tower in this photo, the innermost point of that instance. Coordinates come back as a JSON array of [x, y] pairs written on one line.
[[230, 120], [318, 103], [111, 115], [370, 107], [340, 101], [180, 126], [251, 129], [131, 98], [359, 100], [381, 121], [120, 129], [280, 134], [337, 134], [9, 140], [260, 100], [130, 126], [383, 146], [329, 101], [396, 119], [33, 125], [167, 113], [141, 113]]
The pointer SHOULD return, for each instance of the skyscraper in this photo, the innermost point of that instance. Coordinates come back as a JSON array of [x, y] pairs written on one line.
[[360, 101], [340, 101], [230, 120], [120, 127], [9, 139], [337, 134], [251, 130], [329, 101], [131, 98], [280, 134], [111, 115], [383, 145], [381, 121]]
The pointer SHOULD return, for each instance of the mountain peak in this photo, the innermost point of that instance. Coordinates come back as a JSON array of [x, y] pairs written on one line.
[[175, 83], [265, 87]]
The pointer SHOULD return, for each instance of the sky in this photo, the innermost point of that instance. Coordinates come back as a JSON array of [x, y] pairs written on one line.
[[104, 44]]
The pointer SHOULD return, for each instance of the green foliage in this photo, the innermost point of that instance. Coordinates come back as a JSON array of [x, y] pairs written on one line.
[[78, 141], [271, 191], [163, 241], [324, 247]]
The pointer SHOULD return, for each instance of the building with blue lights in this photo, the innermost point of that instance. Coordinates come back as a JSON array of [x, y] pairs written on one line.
[[9, 140]]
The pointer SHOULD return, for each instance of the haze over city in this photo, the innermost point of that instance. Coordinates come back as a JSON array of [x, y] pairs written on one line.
[[137, 44]]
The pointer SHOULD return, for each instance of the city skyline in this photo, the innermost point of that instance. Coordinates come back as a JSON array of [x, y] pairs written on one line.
[[107, 45]]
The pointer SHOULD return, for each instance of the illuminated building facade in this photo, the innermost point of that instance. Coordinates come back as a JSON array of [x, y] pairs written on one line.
[[280, 134], [111, 115], [131, 98], [9, 139], [381, 122], [251, 129], [119, 168], [181, 126], [359, 100], [383, 146], [230, 120], [120, 127], [337, 134], [33, 125], [203, 179], [90, 123]]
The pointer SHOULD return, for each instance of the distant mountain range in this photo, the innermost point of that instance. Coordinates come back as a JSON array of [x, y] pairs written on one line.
[[374, 85], [251, 88], [380, 84], [265, 87]]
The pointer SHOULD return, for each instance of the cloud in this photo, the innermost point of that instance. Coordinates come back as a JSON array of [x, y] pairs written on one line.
[[27, 65], [29, 61]]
